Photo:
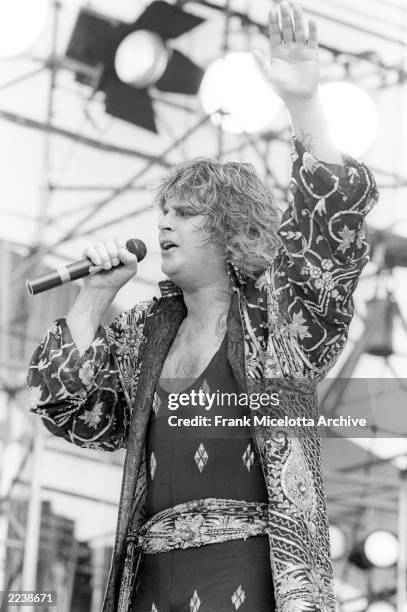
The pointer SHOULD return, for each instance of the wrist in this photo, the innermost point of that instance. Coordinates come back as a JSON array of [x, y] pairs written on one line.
[[91, 304], [103, 294]]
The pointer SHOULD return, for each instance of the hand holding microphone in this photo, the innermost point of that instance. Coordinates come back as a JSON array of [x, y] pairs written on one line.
[[107, 267], [106, 272]]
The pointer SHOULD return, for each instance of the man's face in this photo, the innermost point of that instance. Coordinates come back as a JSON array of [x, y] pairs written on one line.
[[185, 251]]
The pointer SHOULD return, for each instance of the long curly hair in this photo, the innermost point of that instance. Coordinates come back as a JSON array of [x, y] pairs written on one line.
[[241, 213]]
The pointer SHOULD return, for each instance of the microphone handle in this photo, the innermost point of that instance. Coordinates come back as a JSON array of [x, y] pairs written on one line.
[[74, 271], [60, 276]]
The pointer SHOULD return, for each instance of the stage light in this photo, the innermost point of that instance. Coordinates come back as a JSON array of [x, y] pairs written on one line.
[[379, 549], [338, 542], [141, 59], [352, 116], [236, 96], [21, 23], [127, 58]]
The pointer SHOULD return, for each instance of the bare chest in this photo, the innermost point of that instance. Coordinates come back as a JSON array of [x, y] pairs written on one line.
[[190, 353]]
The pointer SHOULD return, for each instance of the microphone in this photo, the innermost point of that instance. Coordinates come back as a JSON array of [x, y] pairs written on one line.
[[77, 270]]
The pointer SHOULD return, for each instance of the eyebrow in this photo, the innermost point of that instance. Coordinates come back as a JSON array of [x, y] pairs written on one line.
[[180, 207]]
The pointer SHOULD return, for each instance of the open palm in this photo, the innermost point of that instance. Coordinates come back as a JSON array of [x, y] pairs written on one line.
[[293, 68]]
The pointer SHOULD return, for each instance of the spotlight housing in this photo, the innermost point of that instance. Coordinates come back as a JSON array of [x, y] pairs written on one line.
[[103, 47]]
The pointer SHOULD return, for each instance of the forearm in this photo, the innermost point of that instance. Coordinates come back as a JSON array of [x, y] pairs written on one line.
[[311, 128], [86, 315]]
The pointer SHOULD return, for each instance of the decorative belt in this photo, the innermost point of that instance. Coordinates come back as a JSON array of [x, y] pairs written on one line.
[[199, 522]]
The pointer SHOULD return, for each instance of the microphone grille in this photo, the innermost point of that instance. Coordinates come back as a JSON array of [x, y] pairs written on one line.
[[137, 247]]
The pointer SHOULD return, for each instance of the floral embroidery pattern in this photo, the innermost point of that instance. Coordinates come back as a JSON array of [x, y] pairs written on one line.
[[93, 417], [86, 373], [297, 326], [292, 326], [348, 236]]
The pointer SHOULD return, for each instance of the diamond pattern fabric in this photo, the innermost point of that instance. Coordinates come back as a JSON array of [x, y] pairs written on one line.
[[197, 462], [201, 457]]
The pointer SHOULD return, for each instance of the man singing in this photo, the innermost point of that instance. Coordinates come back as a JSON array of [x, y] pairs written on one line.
[[214, 523]]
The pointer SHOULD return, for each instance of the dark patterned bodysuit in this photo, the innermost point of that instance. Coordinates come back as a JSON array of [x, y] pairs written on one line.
[[186, 463]]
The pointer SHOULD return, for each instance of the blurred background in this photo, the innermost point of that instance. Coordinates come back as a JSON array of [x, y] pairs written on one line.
[[98, 100]]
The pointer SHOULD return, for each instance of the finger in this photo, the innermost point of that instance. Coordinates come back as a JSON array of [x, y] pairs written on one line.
[[313, 34], [104, 255], [120, 241], [286, 23], [299, 26], [95, 269], [113, 251], [93, 255], [274, 29], [129, 259]]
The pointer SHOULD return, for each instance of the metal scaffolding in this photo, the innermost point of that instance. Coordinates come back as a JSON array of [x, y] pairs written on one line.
[[384, 495]]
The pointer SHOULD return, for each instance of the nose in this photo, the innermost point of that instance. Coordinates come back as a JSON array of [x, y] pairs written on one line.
[[165, 221]]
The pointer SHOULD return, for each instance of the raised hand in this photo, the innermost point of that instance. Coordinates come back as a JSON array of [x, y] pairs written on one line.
[[293, 68]]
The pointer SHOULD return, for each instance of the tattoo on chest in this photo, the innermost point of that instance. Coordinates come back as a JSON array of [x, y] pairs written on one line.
[[307, 142]]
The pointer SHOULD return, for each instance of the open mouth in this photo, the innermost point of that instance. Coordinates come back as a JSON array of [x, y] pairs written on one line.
[[167, 245]]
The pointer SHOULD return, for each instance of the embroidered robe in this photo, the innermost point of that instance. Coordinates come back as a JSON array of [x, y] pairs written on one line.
[[285, 330]]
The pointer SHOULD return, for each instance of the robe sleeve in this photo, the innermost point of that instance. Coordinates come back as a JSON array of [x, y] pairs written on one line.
[[324, 250], [83, 398]]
